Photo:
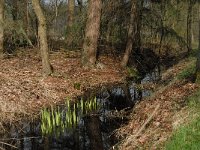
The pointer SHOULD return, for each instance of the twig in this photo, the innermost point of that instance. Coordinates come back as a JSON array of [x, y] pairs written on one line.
[[18, 139], [1, 148], [8, 144], [133, 137]]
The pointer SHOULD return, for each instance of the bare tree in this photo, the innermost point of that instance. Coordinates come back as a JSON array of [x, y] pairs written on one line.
[[1, 26], [56, 4], [132, 32], [71, 6], [15, 9], [189, 24], [26, 16], [42, 32], [91, 33]]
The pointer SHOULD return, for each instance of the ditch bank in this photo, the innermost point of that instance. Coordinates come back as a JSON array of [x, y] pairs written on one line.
[[87, 123], [153, 119], [71, 124]]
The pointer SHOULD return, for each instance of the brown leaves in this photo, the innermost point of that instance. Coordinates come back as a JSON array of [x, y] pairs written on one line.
[[24, 90], [171, 100]]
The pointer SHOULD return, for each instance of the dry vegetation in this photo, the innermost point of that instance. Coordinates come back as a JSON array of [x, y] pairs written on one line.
[[154, 118], [24, 91]]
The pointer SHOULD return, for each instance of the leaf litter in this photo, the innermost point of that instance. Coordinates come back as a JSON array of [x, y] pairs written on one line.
[[24, 91], [170, 95]]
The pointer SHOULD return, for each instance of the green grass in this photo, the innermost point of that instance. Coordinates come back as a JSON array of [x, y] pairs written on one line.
[[187, 72], [194, 101], [194, 52], [187, 137]]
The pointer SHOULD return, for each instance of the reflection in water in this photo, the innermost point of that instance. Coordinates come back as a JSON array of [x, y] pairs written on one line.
[[92, 131]]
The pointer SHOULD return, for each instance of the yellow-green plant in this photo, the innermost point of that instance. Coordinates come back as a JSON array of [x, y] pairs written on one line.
[[55, 121]]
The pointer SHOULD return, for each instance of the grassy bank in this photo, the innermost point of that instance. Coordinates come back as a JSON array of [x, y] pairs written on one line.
[[187, 137]]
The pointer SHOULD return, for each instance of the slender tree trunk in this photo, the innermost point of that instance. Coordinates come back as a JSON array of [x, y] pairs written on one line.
[[56, 16], [26, 16], [92, 33], [71, 6], [108, 37], [42, 32], [80, 4], [131, 33], [1, 26], [162, 9], [138, 24], [198, 55], [15, 9], [199, 26], [189, 25]]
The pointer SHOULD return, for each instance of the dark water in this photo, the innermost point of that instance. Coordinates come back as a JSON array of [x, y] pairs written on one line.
[[93, 131]]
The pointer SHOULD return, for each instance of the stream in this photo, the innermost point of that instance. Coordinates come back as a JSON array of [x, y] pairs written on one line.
[[84, 125]]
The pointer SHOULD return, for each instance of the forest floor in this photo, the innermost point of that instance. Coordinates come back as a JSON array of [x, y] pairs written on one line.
[[24, 91], [154, 119]]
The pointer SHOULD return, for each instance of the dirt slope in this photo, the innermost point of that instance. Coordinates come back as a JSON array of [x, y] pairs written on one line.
[[153, 119]]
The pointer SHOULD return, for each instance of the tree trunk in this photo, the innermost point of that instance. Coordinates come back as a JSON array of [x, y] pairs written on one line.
[[71, 6], [56, 17], [189, 24], [26, 16], [198, 55], [42, 32], [80, 4], [1, 26], [15, 9], [138, 24], [132, 32], [163, 11], [91, 33]]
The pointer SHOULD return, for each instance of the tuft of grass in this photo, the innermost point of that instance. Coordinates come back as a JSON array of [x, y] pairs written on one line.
[[187, 137], [133, 73], [187, 72], [77, 86], [194, 101]]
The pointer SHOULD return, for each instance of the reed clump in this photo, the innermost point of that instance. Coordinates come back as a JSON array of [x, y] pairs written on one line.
[[58, 120]]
